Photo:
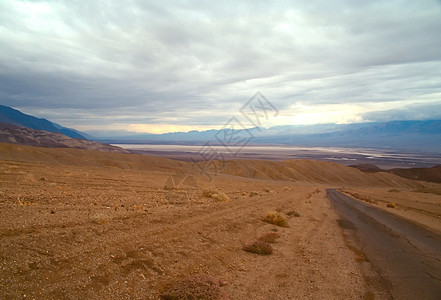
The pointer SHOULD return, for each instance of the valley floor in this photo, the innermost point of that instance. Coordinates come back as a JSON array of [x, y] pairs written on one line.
[[79, 232]]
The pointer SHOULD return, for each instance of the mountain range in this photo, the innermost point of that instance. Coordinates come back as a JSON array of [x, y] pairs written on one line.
[[417, 135], [397, 135], [13, 134], [12, 116]]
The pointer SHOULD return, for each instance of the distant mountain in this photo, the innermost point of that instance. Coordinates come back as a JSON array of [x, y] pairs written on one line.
[[397, 135], [14, 134], [9, 115], [400, 135]]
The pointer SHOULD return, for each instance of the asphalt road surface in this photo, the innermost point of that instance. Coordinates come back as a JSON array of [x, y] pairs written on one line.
[[405, 255]]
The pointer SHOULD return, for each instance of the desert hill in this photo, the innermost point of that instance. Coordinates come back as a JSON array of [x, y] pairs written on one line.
[[432, 174], [308, 171], [426, 174], [26, 136], [290, 170], [90, 224], [85, 158]]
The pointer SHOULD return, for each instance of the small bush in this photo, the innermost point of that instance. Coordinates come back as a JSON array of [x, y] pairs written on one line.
[[268, 190], [201, 287], [253, 193], [215, 194], [391, 205], [100, 218], [259, 247], [270, 237], [293, 213], [276, 218]]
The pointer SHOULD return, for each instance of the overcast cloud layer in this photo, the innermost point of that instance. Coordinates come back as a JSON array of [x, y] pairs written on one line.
[[181, 65]]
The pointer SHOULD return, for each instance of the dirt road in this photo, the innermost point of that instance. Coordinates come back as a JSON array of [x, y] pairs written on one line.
[[405, 255]]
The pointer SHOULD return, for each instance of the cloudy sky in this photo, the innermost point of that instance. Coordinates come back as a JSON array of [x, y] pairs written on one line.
[[159, 66]]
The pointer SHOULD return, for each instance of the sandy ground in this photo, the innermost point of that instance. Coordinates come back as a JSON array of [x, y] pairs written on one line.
[[421, 207], [105, 232]]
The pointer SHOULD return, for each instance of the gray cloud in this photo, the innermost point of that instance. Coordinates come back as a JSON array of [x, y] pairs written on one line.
[[197, 62]]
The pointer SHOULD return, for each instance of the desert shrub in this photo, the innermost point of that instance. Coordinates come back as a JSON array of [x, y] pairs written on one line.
[[100, 218], [276, 218], [293, 213], [270, 237], [259, 247], [215, 194], [393, 191], [391, 205], [268, 190], [195, 287], [253, 193]]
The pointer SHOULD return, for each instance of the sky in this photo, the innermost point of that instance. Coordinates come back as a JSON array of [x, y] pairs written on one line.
[[164, 66]]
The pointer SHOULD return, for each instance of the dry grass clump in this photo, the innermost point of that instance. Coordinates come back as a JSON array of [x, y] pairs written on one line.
[[259, 247], [215, 194], [276, 218], [100, 218], [195, 287], [391, 205], [293, 213], [253, 193], [268, 190], [270, 237]]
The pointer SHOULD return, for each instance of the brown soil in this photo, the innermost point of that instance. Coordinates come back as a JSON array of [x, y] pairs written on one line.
[[416, 205], [77, 224]]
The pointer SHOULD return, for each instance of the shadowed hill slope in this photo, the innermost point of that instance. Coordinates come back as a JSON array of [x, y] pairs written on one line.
[[432, 174], [31, 137], [290, 170], [308, 171], [86, 158], [427, 174]]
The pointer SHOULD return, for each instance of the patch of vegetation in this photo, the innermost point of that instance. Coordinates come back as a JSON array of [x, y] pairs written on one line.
[[391, 205], [253, 193], [259, 247], [268, 190], [202, 287], [293, 213], [215, 194], [393, 191], [100, 218], [270, 237], [276, 218]]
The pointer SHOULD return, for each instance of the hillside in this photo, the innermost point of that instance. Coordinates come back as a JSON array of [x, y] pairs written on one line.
[[9, 115], [31, 137], [291, 170], [93, 224], [432, 174], [308, 171], [426, 174]]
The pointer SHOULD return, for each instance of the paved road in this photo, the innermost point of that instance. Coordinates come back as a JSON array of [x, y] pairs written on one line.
[[406, 256]]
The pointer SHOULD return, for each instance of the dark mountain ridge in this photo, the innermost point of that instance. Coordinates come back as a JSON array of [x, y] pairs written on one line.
[[9, 115], [13, 134]]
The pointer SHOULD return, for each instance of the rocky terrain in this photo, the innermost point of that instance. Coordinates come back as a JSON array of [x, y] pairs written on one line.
[[31, 137], [81, 224]]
